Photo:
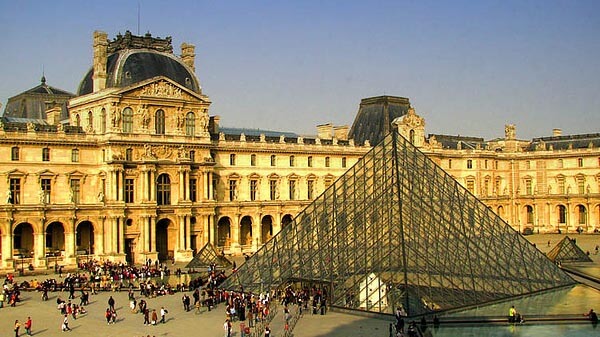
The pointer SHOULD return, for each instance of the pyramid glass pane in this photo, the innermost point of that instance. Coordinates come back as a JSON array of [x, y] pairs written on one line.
[[567, 251], [396, 230], [207, 256]]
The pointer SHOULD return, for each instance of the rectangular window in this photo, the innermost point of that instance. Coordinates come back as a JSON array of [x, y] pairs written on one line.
[[193, 156], [528, 187], [560, 163], [328, 182], [344, 162], [292, 161], [193, 189], [495, 164], [561, 185], [581, 185], [327, 161], [471, 186], [273, 189], [310, 188], [75, 155], [232, 159], [485, 164], [232, 189], [129, 154], [75, 190], [252, 160], [14, 153], [15, 191], [292, 189], [46, 187], [486, 187], [579, 162], [273, 160], [469, 164], [253, 189], [309, 161], [45, 154], [497, 187], [449, 163], [527, 165], [129, 191]]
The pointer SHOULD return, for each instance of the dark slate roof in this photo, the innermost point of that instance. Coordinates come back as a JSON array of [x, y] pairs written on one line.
[[34, 102], [126, 67], [374, 118], [565, 142], [451, 142]]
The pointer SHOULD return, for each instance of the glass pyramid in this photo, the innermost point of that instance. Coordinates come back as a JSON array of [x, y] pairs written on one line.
[[566, 250], [208, 256], [397, 231]]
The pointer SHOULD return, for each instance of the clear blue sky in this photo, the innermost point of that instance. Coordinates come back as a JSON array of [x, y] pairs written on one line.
[[468, 67]]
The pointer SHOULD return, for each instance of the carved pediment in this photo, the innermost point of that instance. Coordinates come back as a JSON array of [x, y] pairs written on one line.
[[161, 87]]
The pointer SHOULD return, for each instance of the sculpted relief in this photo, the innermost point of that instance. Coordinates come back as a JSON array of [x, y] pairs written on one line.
[[162, 89]]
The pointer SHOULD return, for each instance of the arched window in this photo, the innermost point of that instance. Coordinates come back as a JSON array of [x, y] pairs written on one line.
[[529, 214], [127, 120], [90, 120], [190, 124], [582, 212], [412, 136], [77, 121], [159, 122], [163, 190], [562, 214]]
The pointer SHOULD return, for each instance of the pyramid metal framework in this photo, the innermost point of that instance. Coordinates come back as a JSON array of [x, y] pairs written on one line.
[[566, 250], [398, 231], [207, 256]]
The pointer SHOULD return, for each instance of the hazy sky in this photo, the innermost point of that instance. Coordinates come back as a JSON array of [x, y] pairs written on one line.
[[468, 67]]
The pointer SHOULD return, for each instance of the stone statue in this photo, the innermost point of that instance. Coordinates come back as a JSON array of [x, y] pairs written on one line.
[[9, 198], [116, 117], [101, 196]]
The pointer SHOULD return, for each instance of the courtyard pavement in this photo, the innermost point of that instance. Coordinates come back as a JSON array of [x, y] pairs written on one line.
[[47, 319]]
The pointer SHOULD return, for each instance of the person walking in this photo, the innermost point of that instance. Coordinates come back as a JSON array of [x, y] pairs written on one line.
[[163, 313], [17, 327], [28, 326], [111, 303], [65, 324]]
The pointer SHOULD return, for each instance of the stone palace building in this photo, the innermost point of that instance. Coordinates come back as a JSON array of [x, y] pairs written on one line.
[[133, 166]]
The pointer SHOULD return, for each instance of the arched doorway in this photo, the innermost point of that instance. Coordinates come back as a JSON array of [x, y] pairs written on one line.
[[165, 244], [581, 216], [23, 239], [529, 215], [85, 238], [246, 231], [55, 239], [224, 232], [286, 220], [266, 228]]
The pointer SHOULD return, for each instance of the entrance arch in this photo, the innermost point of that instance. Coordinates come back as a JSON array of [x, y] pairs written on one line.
[[165, 243], [266, 228], [55, 238], [224, 232], [23, 239], [246, 231], [85, 238], [286, 220]]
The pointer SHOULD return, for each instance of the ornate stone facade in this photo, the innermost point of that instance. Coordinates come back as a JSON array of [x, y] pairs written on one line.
[[142, 171]]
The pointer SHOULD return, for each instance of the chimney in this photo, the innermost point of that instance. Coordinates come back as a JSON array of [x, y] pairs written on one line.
[[556, 132], [213, 124], [53, 115], [188, 55], [325, 131], [341, 132], [100, 60]]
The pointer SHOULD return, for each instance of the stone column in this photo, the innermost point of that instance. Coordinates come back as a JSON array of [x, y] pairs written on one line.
[[188, 235], [121, 225], [152, 196], [210, 228], [181, 231], [70, 241], [153, 233], [7, 250], [209, 186], [39, 249], [100, 237], [182, 185], [114, 235], [144, 179]]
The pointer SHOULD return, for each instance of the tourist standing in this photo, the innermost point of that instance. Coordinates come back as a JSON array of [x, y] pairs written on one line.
[[28, 326], [111, 303], [17, 326], [163, 313]]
